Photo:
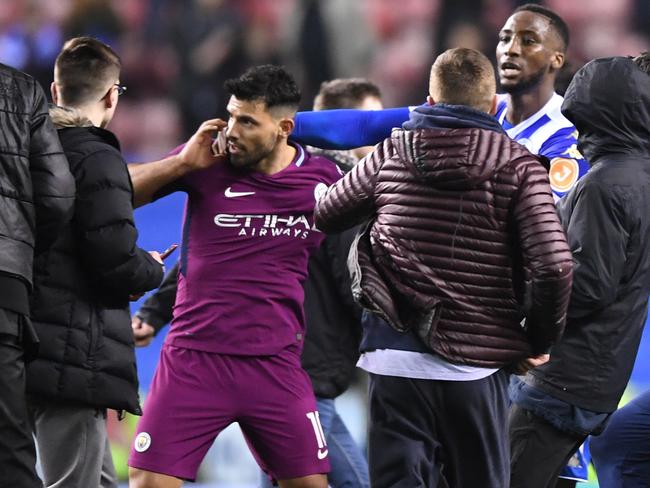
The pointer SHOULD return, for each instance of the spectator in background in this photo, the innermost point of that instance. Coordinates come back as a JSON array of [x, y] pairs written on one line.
[[36, 197], [451, 183], [95, 18], [80, 306], [608, 229], [207, 37]]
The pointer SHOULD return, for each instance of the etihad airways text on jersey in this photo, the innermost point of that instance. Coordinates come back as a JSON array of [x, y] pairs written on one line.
[[267, 225]]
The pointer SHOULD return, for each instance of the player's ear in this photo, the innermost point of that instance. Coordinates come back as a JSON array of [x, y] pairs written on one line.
[[557, 61], [55, 93], [285, 127]]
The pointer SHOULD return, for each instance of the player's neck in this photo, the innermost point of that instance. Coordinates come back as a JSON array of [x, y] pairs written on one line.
[[279, 159], [521, 106]]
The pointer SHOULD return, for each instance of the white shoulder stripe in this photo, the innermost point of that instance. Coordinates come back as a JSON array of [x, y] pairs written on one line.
[[301, 157]]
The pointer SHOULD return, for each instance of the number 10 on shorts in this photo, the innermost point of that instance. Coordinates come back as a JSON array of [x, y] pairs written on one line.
[[314, 418]]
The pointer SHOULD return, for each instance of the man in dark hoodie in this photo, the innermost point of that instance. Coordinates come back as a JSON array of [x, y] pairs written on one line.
[[607, 221], [80, 305], [462, 219]]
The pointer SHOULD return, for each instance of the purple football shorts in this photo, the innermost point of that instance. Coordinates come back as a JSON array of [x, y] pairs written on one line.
[[197, 394]]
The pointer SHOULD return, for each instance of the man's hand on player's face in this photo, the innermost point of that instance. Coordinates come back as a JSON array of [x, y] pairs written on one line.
[[200, 150]]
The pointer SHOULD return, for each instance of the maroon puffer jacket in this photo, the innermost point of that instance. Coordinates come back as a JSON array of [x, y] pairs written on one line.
[[464, 242]]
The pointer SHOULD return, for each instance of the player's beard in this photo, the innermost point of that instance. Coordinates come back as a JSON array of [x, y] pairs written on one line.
[[526, 84], [248, 159]]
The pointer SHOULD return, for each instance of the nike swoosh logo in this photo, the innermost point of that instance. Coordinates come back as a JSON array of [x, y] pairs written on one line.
[[322, 454], [234, 194]]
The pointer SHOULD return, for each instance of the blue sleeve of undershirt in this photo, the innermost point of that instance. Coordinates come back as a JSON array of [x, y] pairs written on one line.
[[347, 128]]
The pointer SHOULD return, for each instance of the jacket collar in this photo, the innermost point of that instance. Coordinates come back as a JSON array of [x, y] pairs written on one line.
[[446, 116], [72, 121]]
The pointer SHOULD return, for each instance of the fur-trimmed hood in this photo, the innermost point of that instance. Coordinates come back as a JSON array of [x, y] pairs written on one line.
[[63, 117]]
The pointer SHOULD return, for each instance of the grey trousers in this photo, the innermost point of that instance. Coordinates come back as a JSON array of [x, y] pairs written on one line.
[[72, 444]]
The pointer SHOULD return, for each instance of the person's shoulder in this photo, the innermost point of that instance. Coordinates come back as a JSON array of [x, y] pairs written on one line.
[[18, 91], [86, 141], [95, 150], [560, 145], [522, 160], [553, 111], [321, 166], [616, 174], [16, 75], [344, 159]]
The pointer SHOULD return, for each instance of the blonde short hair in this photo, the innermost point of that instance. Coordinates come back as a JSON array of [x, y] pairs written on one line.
[[462, 76]]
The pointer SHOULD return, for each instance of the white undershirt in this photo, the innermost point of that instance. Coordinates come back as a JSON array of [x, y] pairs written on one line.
[[419, 365]]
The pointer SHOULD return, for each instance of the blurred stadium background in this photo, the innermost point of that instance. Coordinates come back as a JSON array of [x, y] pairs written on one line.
[[177, 53]]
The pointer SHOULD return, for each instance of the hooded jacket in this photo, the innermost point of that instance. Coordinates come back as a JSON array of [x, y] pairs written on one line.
[[607, 220], [464, 240], [80, 305]]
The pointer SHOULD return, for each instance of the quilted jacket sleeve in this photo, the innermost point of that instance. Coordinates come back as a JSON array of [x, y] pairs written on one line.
[[546, 255], [52, 182], [105, 227], [157, 310], [350, 201]]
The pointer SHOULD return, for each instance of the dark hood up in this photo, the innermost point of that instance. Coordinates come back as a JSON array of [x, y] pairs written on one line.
[[608, 101], [429, 149]]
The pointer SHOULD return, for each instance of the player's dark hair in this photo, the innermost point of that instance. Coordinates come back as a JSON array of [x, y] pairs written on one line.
[[557, 22], [345, 93], [643, 61], [83, 69], [272, 84]]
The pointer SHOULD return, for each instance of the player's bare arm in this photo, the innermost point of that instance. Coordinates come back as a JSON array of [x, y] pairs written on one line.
[[198, 153]]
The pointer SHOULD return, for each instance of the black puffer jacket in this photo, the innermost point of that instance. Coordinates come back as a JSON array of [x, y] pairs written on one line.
[[607, 219], [462, 214], [36, 187], [81, 297]]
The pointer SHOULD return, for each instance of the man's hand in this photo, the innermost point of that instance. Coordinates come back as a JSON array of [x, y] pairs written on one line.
[[142, 332], [525, 365], [199, 151], [159, 258], [149, 179], [156, 255]]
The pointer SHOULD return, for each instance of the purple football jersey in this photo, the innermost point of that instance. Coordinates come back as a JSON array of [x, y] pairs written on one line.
[[247, 237]]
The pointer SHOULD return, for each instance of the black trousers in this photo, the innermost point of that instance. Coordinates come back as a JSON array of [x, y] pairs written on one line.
[[438, 434], [17, 453], [538, 451]]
